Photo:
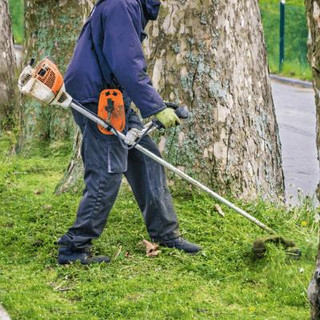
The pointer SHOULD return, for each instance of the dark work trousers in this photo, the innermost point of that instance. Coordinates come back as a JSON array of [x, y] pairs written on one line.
[[105, 160]]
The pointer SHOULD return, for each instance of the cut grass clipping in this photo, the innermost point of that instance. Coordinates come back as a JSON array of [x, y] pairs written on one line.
[[223, 282]]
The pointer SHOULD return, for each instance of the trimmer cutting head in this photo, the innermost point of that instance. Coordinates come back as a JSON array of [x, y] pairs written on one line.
[[45, 83], [260, 246]]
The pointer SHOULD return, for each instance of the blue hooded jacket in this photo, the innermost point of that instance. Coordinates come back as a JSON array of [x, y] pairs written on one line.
[[109, 54]]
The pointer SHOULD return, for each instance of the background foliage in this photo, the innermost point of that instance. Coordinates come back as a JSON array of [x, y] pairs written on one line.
[[296, 35], [16, 8], [295, 65]]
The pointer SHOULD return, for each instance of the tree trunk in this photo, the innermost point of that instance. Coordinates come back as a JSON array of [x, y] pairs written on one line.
[[51, 29], [313, 15], [314, 290], [7, 71], [74, 173], [211, 56], [71, 180]]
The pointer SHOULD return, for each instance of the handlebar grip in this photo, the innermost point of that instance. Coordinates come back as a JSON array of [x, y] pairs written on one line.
[[172, 105], [181, 111]]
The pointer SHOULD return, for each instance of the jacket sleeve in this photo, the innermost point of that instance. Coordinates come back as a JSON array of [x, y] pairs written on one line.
[[123, 52]]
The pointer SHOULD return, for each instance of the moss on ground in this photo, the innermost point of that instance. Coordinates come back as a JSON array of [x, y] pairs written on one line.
[[223, 282]]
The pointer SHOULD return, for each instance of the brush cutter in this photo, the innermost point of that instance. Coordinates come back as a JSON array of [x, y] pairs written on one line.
[[45, 83]]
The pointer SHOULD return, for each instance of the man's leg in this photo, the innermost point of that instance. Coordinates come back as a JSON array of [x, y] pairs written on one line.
[[148, 182], [104, 162]]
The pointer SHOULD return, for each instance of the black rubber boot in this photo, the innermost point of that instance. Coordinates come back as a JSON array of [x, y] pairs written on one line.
[[66, 256], [180, 244]]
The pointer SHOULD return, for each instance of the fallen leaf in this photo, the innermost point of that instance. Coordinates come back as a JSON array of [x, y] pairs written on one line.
[[47, 207], [219, 210], [118, 253], [63, 289], [38, 191], [151, 248]]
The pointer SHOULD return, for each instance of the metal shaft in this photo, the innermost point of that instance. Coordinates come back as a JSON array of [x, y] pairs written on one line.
[[204, 188], [169, 166]]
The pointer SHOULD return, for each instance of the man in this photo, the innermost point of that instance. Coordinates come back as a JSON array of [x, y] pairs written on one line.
[[109, 55]]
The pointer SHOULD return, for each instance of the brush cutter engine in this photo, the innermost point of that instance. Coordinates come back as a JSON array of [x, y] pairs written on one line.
[[45, 83]]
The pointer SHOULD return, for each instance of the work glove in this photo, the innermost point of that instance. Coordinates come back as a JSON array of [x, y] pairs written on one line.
[[168, 118]]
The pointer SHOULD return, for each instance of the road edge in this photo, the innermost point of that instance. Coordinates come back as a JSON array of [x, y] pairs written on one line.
[[3, 314], [291, 81]]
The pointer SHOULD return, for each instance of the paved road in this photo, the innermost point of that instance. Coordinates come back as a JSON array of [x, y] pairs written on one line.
[[3, 314], [296, 114]]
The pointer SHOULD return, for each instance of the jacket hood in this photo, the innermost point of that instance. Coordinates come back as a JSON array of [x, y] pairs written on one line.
[[150, 9]]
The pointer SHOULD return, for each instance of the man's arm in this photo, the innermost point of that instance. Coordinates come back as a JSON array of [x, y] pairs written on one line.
[[123, 52]]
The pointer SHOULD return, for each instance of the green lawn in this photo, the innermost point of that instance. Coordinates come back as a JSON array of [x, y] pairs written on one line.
[[223, 282]]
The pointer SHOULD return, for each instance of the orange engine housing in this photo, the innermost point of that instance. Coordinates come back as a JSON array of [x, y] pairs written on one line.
[[48, 73], [111, 109]]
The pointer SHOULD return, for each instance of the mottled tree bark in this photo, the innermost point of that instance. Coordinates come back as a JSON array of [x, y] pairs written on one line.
[[74, 173], [8, 101], [51, 29], [313, 15], [211, 56], [314, 290]]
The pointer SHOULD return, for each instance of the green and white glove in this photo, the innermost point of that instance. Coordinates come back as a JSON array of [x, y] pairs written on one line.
[[168, 118]]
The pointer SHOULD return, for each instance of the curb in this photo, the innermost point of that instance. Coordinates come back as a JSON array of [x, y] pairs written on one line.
[[291, 81], [19, 52], [3, 314]]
